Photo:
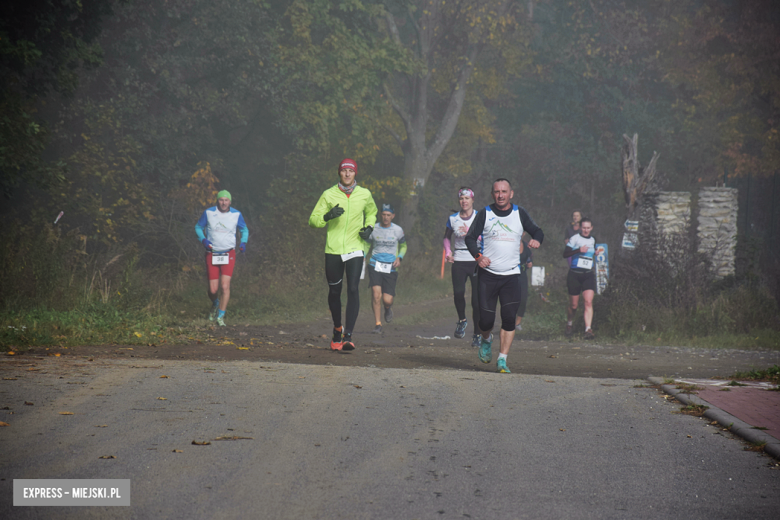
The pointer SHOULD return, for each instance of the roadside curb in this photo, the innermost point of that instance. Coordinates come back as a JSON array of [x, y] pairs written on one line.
[[737, 426]]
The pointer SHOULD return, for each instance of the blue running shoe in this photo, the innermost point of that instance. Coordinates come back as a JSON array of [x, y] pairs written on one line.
[[501, 366], [485, 351], [460, 328], [476, 341]]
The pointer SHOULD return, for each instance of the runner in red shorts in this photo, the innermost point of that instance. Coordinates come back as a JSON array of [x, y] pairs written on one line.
[[216, 229]]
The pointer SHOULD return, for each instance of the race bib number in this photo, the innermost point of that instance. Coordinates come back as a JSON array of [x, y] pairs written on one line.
[[220, 258], [584, 263], [353, 254], [382, 267]]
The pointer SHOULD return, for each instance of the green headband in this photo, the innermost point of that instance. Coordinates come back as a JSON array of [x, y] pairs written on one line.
[[224, 193]]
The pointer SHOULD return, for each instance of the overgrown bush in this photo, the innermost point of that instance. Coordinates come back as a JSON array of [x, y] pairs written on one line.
[[666, 287]]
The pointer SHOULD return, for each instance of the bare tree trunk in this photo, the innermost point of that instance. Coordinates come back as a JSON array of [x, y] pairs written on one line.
[[636, 180]]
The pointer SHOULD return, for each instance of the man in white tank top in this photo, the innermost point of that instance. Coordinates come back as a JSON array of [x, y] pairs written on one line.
[[501, 225]]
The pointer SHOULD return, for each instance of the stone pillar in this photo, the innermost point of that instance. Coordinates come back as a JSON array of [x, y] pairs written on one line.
[[663, 214], [718, 227], [673, 212]]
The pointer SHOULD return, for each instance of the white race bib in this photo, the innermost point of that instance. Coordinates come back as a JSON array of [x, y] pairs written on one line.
[[220, 258], [353, 254], [584, 263], [382, 267]]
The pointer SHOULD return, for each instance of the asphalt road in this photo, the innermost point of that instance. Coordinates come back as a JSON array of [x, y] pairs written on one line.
[[328, 441]]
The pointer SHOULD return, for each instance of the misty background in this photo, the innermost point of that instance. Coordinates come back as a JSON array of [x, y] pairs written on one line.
[[130, 115]]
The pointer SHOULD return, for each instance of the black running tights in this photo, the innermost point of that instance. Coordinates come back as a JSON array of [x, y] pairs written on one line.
[[334, 272], [461, 271]]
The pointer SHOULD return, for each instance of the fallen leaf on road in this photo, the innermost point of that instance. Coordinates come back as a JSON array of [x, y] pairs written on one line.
[[689, 436], [28, 403], [107, 456], [66, 413], [562, 429], [10, 353], [9, 379], [549, 381], [163, 377], [553, 356], [101, 426], [178, 451], [162, 398], [231, 438], [4, 424], [242, 348], [204, 443], [357, 386]]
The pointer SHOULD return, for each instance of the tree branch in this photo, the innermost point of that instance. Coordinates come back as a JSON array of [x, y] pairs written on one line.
[[390, 19], [454, 107], [394, 134]]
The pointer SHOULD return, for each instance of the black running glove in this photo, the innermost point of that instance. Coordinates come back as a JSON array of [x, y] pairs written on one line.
[[335, 212], [365, 233]]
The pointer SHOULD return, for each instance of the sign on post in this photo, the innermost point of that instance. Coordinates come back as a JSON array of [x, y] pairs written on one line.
[[602, 267], [630, 236]]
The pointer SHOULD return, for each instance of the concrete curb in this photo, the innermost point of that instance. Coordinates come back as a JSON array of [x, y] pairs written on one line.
[[736, 426]]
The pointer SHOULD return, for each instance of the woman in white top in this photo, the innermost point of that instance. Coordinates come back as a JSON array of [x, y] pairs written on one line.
[[463, 264]]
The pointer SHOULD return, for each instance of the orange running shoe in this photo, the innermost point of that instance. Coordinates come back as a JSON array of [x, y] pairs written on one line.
[[335, 343]]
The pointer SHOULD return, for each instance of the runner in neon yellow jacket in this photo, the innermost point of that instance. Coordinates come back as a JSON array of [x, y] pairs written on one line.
[[349, 211], [359, 211]]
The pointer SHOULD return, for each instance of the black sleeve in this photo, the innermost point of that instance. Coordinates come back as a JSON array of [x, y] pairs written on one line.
[[474, 231], [447, 232], [529, 226], [567, 252]]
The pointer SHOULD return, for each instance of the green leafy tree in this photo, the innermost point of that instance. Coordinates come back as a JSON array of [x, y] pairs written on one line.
[[43, 45]]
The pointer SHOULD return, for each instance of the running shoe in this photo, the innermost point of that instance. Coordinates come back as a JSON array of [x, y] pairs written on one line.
[[213, 311], [568, 330], [485, 351], [221, 321], [388, 314], [347, 343], [460, 328], [476, 340], [335, 343], [589, 334], [378, 329], [501, 366]]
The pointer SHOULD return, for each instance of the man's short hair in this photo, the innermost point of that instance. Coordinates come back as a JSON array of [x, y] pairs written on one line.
[[585, 219], [503, 180]]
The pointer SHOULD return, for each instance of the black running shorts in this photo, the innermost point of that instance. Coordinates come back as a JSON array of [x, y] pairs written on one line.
[[386, 280], [577, 282]]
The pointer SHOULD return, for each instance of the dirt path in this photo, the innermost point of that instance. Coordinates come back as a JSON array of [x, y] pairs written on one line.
[[405, 343]]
